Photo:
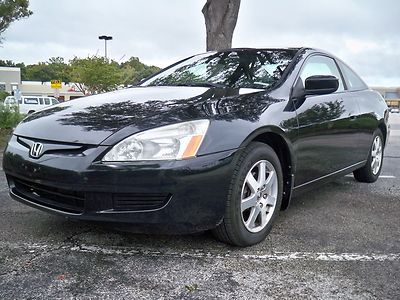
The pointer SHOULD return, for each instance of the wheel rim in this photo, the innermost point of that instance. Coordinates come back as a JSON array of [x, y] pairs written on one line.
[[259, 195], [376, 155]]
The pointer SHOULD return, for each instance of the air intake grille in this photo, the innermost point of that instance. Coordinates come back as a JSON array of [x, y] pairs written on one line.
[[140, 202], [56, 198]]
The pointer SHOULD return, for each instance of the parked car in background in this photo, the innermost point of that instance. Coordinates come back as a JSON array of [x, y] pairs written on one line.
[[220, 141], [395, 110], [30, 104]]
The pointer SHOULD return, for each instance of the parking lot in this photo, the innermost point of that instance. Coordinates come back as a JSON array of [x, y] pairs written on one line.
[[341, 241]]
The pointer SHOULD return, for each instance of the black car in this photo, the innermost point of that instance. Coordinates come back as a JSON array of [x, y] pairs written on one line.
[[220, 141]]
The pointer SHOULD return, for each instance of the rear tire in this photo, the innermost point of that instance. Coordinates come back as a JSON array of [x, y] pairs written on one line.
[[372, 169], [254, 197]]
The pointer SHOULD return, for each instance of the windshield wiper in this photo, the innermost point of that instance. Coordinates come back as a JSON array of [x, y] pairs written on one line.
[[201, 84]]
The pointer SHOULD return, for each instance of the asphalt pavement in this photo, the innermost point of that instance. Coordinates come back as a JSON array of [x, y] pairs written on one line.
[[340, 241]]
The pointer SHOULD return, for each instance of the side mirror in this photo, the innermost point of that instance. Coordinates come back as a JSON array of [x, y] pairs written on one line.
[[321, 85]]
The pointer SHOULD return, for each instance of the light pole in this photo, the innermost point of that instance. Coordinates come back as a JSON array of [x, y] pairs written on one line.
[[105, 38]]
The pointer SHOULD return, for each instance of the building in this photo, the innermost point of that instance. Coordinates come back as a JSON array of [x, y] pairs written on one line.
[[10, 81], [390, 94]]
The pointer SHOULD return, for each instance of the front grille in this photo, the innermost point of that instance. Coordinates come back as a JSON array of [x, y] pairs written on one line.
[[56, 198], [139, 202]]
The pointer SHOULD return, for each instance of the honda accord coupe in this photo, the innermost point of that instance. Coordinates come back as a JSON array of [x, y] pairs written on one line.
[[219, 141]]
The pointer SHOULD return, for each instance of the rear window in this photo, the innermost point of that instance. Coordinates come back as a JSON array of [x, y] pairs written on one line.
[[354, 82], [31, 101]]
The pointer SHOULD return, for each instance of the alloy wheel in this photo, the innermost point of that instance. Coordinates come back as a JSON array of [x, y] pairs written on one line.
[[376, 155], [259, 196]]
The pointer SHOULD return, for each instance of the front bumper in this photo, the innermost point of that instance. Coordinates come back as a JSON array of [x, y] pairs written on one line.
[[166, 196]]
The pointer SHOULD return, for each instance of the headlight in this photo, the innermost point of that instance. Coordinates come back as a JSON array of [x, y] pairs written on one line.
[[177, 141]]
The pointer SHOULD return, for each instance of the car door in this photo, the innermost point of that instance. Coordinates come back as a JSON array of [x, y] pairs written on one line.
[[368, 103], [328, 132]]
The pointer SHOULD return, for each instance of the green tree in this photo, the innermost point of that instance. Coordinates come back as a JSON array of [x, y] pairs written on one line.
[[95, 74], [54, 68], [134, 71], [12, 10], [38, 72], [59, 69]]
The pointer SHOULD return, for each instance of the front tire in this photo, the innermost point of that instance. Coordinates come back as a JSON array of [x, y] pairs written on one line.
[[254, 197], [372, 169]]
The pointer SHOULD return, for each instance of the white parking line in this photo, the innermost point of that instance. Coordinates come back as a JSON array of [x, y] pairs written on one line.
[[201, 253], [282, 256], [380, 176]]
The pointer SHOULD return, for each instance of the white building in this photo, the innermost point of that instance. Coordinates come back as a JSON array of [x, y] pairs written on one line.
[[10, 81]]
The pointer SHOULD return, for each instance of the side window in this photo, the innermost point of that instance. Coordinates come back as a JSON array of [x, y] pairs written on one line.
[[321, 65], [54, 101], [354, 82], [31, 101], [41, 101], [47, 101]]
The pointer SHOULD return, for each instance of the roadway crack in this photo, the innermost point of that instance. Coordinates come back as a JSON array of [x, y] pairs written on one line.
[[41, 250]]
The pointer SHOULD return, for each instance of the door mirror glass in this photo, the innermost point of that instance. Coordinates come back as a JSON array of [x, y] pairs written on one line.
[[321, 85]]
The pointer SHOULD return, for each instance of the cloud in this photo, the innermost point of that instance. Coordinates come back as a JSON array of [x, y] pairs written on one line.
[[364, 33]]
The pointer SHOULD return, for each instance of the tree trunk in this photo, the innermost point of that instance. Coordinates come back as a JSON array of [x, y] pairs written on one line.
[[220, 17]]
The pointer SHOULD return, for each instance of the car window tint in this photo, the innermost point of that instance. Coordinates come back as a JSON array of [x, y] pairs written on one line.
[[354, 82], [321, 65], [47, 101], [41, 101], [54, 101], [31, 101]]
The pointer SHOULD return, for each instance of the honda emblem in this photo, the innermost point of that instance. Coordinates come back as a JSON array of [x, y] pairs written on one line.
[[36, 150]]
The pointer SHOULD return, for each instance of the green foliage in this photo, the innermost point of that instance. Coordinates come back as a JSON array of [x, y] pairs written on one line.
[[3, 95], [9, 116], [91, 75], [134, 71], [12, 10], [55, 68], [95, 74]]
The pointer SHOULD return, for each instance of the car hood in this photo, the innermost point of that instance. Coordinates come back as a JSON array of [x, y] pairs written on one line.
[[91, 120]]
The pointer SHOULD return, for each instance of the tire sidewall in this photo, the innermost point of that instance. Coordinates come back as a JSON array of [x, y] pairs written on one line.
[[257, 152]]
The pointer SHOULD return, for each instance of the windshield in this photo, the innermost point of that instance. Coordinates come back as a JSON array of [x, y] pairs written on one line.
[[235, 68]]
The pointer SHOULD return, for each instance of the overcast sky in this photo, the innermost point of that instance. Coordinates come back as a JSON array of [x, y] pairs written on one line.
[[364, 33]]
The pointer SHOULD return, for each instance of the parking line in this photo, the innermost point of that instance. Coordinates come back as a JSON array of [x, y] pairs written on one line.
[[205, 254], [281, 256], [380, 176]]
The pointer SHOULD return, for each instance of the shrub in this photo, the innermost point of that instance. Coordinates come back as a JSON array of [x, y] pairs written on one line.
[[9, 116], [3, 95]]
